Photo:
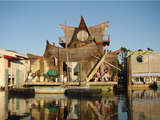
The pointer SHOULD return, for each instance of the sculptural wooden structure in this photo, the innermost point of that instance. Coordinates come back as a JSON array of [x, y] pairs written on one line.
[[82, 44]]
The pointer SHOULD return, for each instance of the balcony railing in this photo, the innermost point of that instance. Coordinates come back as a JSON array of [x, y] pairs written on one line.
[[62, 39], [106, 37]]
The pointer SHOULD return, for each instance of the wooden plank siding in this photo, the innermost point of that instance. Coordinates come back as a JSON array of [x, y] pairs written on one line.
[[75, 54]]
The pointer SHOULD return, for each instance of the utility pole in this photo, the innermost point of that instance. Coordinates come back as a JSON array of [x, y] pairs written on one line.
[[67, 55]]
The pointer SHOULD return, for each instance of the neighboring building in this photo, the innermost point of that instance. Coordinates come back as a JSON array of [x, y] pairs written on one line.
[[143, 68], [36, 62], [82, 49], [15, 65]]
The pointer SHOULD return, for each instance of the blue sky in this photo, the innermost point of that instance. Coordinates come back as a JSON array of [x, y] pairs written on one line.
[[25, 26]]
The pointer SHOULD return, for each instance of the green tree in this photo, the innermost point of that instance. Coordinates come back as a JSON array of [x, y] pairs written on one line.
[[108, 51], [122, 54], [149, 49], [118, 65], [140, 50]]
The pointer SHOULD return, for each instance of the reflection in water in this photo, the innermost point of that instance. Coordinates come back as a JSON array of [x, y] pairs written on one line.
[[12, 108], [144, 104], [71, 108]]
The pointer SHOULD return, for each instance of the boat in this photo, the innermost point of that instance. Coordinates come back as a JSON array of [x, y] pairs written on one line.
[[58, 89]]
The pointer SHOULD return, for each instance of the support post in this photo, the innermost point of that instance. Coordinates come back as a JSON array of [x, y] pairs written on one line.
[[17, 77], [156, 79], [6, 79], [61, 68], [106, 49], [145, 80], [67, 56], [11, 74]]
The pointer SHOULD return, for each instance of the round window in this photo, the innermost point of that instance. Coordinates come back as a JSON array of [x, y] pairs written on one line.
[[140, 58], [82, 35]]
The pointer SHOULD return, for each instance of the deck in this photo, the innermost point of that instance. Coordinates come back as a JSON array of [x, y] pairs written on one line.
[[69, 83], [151, 85]]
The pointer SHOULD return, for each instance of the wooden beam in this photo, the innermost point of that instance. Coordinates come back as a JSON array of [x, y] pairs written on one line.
[[106, 49], [156, 79], [96, 68], [108, 63], [145, 80], [95, 110]]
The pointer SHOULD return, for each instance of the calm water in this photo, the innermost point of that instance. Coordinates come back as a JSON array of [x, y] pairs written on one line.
[[136, 105]]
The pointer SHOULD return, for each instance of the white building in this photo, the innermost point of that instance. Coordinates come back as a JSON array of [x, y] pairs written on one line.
[[15, 65]]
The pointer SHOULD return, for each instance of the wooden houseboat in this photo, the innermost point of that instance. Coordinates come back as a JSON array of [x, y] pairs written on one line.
[[143, 69], [79, 58]]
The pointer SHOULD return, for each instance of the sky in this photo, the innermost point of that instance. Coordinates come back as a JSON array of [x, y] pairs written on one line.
[[25, 25]]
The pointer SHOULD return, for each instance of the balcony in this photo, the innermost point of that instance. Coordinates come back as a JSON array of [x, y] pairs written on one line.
[[106, 39], [62, 41]]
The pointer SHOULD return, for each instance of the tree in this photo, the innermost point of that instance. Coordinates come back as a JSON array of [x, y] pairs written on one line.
[[118, 65], [122, 55], [108, 51], [149, 49], [140, 50]]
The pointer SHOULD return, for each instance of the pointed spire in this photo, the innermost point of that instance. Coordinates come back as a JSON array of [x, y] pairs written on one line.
[[82, 26]]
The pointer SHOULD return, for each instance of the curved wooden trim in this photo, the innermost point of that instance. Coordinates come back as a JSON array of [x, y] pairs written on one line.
[[87, 27], [67, 26], [99, 24]]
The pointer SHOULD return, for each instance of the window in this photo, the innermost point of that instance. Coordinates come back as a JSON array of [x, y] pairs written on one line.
[[140, 58]]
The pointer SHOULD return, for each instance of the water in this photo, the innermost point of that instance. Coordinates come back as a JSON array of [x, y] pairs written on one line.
[[135, 105]]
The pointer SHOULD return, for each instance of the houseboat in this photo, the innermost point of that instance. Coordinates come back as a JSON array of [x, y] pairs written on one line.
[[14, 68], [80, 56], [143, 69]]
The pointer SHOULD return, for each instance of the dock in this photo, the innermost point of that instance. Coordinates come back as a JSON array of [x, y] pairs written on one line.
[[59, 87], [69, 83]]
